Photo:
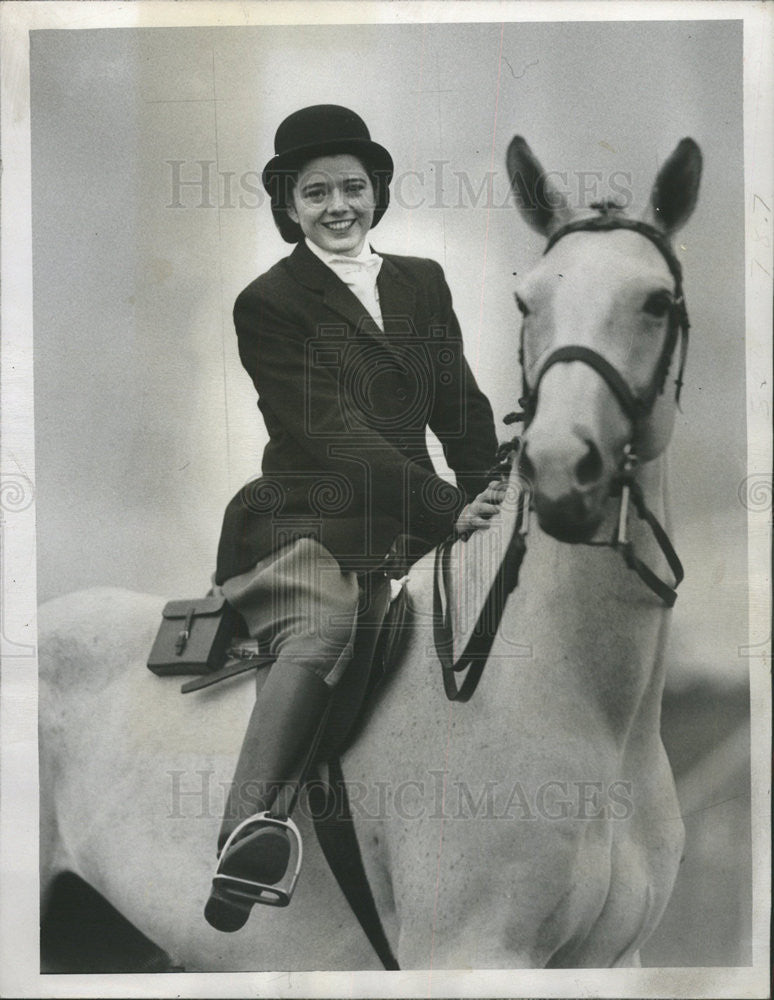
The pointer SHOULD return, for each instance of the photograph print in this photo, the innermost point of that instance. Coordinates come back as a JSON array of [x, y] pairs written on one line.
[[392, 495]]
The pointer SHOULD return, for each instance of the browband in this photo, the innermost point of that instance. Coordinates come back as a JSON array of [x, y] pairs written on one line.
[[608, 222]]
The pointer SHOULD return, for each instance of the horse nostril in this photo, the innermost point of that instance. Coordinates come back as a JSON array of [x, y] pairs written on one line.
[[590, 468]]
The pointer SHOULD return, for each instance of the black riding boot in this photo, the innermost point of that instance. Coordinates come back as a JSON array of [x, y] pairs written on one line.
[[284, 721]]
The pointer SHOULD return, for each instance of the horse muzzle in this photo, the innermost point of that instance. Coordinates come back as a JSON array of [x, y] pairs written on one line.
[[570, 485]]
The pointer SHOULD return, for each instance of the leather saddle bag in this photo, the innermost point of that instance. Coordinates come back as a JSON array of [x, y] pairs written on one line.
[[194, 636]]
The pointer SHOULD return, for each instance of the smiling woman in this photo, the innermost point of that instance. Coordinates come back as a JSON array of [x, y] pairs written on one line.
[[354, 355], [333, 203]]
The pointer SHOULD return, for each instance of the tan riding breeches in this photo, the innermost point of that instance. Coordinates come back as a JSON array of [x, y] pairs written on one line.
[[300, 605]]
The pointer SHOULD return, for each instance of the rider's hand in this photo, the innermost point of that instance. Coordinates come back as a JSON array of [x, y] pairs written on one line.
[[480, 511]]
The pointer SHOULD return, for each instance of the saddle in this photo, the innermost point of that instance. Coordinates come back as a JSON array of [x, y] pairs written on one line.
[[196, 636], [382, 625], [207, 638], [381, 628]]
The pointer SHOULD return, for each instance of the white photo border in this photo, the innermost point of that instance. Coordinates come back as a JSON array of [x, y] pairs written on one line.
[[19, 975]]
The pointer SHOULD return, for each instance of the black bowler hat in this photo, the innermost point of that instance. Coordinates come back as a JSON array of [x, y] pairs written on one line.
[[322, 130]]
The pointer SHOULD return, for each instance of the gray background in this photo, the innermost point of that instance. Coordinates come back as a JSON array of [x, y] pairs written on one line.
[[145, 422]]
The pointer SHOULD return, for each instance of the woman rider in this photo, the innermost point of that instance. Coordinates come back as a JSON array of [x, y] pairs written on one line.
[[353, 354]]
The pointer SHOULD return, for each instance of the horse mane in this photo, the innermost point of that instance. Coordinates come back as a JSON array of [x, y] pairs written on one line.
[[608, 206]]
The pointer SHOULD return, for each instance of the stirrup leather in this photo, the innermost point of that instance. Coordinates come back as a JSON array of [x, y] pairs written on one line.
[[243, 891]]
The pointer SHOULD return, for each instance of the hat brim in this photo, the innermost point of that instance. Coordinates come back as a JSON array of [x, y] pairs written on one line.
[[375, 155]]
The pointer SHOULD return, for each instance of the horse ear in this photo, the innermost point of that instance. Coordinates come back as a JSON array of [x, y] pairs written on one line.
[[542, 205], [676, 188]]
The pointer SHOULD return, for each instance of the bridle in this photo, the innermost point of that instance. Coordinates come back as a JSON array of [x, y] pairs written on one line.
[[637, 407]]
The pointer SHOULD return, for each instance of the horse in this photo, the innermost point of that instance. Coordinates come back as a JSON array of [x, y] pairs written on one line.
[[535, 825]]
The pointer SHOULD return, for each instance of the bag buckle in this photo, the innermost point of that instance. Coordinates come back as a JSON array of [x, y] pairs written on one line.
[[247, 649], [185, 632]]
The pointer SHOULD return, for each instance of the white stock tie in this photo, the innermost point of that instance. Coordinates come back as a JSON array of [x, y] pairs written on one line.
[[359, 274]]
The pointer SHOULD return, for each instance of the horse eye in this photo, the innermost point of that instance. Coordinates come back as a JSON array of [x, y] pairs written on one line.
[[658, 304], [521, 305]]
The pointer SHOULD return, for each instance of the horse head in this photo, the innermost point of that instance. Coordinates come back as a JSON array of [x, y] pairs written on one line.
[[604, 323]]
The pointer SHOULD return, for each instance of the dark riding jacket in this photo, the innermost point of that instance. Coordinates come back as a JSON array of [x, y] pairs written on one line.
[[346, 407]]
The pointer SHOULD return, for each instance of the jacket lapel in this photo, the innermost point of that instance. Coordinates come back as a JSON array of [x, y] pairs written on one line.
[[341, 299], [310, 271], [397, 297]]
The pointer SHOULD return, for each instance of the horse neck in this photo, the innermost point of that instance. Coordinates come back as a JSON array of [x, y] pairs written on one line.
[[580, 624]]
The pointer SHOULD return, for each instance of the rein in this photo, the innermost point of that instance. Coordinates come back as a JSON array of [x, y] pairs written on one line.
[[631, 490], [474, 656], [637, 407]]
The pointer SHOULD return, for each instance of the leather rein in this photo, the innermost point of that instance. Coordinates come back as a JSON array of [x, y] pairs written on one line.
[[638, 408]]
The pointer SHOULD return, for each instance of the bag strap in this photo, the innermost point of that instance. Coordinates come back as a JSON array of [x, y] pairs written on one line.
[[336, 835], [231, 668]]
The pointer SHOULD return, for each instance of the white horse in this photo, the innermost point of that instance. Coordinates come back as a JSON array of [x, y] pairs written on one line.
[[535, 826]]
